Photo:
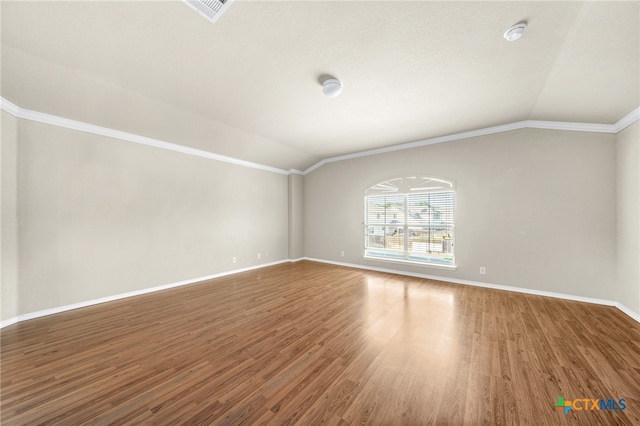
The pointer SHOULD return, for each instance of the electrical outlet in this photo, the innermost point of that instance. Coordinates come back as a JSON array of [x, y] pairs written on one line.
[[259, 256], [342, 253], [234, 259], [483, 270]]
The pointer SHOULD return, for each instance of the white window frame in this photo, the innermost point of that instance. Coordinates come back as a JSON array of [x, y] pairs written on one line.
[[405, 188]]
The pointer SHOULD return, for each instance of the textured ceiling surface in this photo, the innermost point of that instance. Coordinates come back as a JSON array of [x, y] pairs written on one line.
[[248, 85]]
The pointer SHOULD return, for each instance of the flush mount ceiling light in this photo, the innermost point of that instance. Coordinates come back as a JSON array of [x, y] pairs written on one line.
[[515, 32], [331, 87]]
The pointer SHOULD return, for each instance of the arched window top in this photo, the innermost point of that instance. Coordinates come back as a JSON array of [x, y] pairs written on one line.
[[410, 184]]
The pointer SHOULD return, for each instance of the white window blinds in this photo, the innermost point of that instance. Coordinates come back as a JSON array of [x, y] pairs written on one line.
[[415, 223]]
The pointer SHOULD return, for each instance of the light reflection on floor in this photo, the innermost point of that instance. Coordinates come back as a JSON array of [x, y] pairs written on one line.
[[419, 316]]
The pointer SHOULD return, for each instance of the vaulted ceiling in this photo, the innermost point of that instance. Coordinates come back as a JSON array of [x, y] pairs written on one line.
[[248, 85]]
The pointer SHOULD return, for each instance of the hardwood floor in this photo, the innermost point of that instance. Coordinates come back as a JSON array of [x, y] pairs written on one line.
[[309, 343]]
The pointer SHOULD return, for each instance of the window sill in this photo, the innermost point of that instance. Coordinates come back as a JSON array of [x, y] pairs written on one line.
[[412, 263]]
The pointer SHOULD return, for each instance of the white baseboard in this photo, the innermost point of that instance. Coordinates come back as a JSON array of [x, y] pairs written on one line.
[[593, 300], [628, 311], [10, 321], [51, 311]]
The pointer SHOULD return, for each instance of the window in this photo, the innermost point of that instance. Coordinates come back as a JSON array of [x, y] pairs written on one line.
[[410, 219]]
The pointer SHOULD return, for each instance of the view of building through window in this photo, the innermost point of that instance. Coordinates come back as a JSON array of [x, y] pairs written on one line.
[[410, 219]]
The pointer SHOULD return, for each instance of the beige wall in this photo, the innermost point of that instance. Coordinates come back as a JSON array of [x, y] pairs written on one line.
[[536, 207], [8, 218], [628, 217], [296, 216], [101, 217]]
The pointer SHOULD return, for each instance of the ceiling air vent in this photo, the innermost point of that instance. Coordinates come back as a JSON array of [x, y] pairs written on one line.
[[210, 9]]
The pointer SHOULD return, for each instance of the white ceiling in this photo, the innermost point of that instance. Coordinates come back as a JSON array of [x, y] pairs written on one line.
[[248, 85]]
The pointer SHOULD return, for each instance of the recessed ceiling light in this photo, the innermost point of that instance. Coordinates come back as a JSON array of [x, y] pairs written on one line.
[[331, 87], [515, 32]]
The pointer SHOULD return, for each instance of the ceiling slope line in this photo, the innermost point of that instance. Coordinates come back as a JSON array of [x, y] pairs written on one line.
[[27, 114], [40, 117]]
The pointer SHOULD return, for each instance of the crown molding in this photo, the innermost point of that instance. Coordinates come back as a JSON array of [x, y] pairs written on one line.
[[572, 127], [9, 107], [627, 120], [130, 137], [16, 111], [630, 118], [420, 143]]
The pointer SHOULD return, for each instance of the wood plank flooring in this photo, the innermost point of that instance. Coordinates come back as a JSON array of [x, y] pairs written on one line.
[[309, 343]]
